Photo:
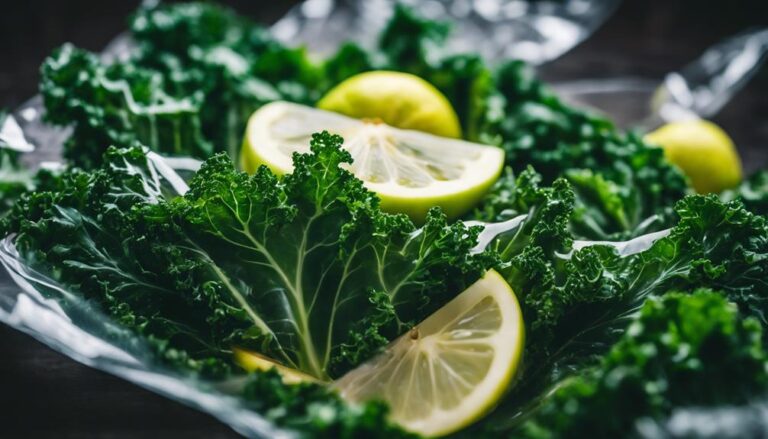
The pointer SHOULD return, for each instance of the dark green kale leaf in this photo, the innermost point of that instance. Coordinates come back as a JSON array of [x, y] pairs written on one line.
[[315, 411], [413, 44], [312, 249], [304, 268], [198, 72], [184, 40], [119, 104], [578, 301], [107, 236], [681, 350], [14, 181], [623, 187], [753, 192], [231, 61]]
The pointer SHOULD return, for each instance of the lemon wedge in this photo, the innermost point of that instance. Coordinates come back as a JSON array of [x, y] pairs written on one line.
[[452, 368], [254, 362], [411, 171]]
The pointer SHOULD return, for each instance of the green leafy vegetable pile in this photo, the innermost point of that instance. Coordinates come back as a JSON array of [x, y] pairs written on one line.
[[305, 269], [680, 350], [622, 337]]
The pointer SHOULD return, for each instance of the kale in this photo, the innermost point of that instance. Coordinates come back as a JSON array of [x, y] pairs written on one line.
[[14, 181], [120, 104], [624, 187], [681, 350], [578, 296], [230, 61], [191, 62], [753, 192], [313, 410], [304, 268]]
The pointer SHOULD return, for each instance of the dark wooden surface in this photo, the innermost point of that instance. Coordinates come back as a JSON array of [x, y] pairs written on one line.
[[44, 394]]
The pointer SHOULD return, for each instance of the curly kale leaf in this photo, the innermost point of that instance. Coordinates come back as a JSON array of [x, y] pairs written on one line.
[[577, 301], [14, 181], [623, 186], [198, 73], [232, 62], [186, 40], [681, 350], [313, 410], [119, 104], [316, 244], [304, 268]]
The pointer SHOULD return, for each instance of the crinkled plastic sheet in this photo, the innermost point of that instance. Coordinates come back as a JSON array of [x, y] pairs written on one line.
[[39, 310], [534, 31], [32, 302], [699, 90]]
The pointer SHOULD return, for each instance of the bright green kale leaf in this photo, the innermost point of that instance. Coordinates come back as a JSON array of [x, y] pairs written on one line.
[[119, 104], [304, 268], [681, 350]]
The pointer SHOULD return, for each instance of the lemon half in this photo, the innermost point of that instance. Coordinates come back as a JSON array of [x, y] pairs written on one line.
[[452, 368], [411, 171], [704, 152]]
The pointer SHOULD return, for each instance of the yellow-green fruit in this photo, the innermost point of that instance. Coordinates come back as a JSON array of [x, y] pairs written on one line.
[[703, 151], [398, 99], [410, 171]]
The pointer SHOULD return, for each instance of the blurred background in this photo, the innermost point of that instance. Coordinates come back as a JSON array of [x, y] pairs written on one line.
[[43, 394]]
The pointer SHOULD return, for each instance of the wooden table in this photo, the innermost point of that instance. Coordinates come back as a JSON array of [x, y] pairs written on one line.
[[44, 394]]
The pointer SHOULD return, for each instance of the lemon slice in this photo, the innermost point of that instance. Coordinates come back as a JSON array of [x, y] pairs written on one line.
[[252, 362], [450, 369], [411, 171]]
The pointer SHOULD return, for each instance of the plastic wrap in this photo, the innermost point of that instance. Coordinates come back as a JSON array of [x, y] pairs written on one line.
[[534, 31], [698, 90], [31, 302]]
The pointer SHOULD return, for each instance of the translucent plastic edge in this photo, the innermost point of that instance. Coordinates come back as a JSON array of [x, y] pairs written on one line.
[[43, 318]]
